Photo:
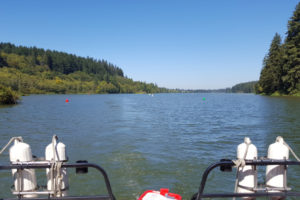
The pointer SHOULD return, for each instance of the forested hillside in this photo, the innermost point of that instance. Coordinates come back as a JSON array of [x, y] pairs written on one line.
[[31, 70], [248, 87], [281, 66]]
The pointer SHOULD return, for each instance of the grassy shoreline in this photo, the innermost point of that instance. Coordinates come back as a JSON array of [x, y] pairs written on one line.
[[8, 96], [11, 97], [278, 94]]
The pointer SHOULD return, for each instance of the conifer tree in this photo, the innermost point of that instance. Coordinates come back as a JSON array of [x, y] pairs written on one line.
[[2, 62], [270, 77], [291, 67]]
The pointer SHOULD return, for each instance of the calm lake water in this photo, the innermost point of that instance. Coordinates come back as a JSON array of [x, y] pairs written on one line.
[[149, 142]]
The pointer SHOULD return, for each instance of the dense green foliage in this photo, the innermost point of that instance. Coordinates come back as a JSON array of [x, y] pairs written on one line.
[[271, 74], [248, 87], [281, 66], [7, 96], [38, 71], [60, 61]]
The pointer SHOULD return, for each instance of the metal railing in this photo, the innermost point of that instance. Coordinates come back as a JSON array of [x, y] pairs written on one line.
[[200, 195], [41, 165], [259, 193]]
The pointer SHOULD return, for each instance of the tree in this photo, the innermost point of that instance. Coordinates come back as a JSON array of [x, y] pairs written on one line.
[[270, 77], [2, 62], [291, 66]]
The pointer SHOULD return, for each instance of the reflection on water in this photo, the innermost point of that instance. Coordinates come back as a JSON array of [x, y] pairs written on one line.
[[147, 142]]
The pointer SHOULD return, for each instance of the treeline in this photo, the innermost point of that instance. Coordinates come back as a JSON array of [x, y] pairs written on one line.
[[248, 87], [226, 90], [31, 70], [59, 61], [280, 74]]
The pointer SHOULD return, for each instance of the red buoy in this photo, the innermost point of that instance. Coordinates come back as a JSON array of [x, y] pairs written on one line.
[[67, 100]]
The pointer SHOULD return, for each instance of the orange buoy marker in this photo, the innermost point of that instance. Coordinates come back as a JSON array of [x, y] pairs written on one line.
[[67, 100]]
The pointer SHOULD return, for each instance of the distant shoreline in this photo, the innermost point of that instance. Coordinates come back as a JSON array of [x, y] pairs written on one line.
[[238, 93]]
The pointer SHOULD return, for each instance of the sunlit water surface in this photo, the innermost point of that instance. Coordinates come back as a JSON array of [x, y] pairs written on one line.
[[149, 142]]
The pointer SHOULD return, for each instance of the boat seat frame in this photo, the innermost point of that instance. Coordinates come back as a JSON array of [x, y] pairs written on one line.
[[44, 165], [260, 192]]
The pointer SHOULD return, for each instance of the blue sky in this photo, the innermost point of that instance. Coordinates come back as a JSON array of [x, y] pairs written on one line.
[[189, 44]]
